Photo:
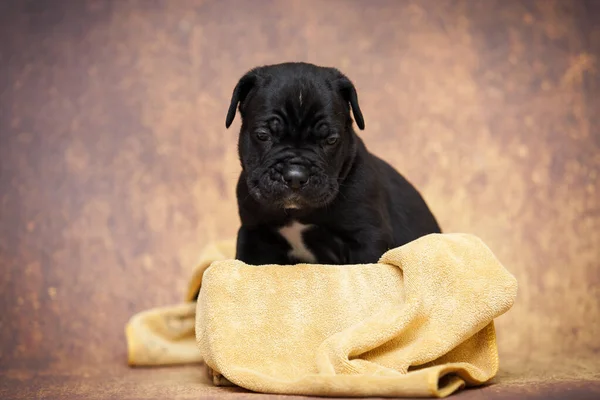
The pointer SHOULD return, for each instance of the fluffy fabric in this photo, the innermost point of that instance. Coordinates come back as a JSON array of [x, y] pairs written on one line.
[[418, 323]]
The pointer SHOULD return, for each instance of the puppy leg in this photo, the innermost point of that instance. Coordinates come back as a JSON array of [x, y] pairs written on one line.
[[260, 246], [369, 248], [328, 247]]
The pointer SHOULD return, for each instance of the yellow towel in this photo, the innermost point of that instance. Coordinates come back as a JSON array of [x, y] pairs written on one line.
[[418, 323], [165, 336]]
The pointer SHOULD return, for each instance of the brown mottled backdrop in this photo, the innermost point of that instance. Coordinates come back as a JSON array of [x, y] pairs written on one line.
[[116, 167]]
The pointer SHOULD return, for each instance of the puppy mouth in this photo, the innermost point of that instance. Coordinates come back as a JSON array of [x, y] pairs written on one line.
[[272, 192], [296, 201], [291, 203]]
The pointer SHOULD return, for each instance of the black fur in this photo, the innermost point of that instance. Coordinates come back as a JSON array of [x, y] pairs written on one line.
[[296, 116]]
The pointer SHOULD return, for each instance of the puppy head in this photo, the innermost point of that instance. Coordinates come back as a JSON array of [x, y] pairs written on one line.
[[296, 142]]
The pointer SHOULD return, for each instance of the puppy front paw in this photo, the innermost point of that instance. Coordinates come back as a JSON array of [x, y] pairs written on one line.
[[216, 378]]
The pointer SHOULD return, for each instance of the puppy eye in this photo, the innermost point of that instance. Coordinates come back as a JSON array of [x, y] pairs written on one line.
[[274, 125], [263, 136], [323, 129], [331, 140]]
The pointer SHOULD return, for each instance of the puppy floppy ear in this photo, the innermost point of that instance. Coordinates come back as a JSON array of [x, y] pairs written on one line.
[[243, 87], [348, 91]]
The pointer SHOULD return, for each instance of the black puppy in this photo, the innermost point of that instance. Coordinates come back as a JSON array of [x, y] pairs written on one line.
[[309, 190]]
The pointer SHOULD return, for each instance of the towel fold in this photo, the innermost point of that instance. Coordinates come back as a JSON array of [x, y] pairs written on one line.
[[164, 336], [417, 323]]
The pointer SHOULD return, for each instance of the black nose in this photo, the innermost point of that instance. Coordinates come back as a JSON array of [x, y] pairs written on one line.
[[295, 176]]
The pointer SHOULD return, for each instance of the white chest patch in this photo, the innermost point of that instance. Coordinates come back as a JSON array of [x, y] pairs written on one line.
[[293, 234]]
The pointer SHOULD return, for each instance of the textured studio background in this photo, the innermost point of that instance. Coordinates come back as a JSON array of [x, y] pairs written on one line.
[[116, 167]]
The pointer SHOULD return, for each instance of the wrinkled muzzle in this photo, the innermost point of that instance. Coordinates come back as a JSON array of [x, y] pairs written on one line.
[[291, 181]]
